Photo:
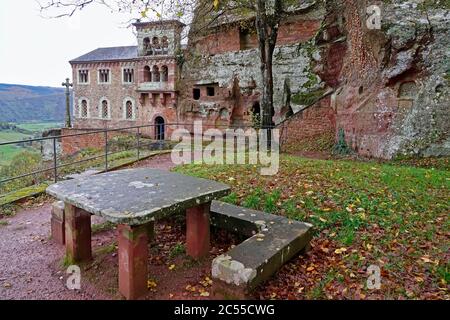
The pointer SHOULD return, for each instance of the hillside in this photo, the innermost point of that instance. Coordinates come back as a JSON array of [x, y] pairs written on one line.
[[21, 103]]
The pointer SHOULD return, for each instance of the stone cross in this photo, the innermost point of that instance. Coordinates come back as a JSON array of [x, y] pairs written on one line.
[[67, 84]]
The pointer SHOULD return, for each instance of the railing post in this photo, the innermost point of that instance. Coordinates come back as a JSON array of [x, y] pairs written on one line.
[[138, 143], [106, 150], [55, 167]]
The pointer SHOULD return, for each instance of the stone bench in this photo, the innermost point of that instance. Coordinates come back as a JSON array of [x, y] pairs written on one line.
[[273, 240]]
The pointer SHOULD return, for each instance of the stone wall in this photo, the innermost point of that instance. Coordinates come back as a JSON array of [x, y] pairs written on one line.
[[317, 122], [89, 139], [217, 58]]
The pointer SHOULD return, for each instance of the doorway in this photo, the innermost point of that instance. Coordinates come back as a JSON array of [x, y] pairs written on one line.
[[159, 128]]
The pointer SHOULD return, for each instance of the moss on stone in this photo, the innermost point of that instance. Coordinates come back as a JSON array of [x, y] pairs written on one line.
[[434, 4], [307, 98], [20, 194]]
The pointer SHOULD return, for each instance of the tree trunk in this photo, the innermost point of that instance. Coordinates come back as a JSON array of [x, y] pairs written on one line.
[[267, 30]]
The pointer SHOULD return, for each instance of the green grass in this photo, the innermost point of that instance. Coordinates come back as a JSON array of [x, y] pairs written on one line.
[[39, 126], [22, 193], [6, 136], [177, 250], [379, 212], [8, 152], [101, 227], [107, 249]]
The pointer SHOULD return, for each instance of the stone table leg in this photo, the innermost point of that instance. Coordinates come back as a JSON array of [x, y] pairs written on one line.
[[133, 255], [78, 234], [197, 231]]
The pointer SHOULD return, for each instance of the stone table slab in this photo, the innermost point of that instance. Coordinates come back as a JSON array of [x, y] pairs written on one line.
[[137, 196]]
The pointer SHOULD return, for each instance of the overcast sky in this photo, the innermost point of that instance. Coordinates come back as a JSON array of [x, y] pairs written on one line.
[[36, 51]]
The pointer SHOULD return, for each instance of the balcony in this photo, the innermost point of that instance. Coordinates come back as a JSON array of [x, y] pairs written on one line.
[[156, 86]]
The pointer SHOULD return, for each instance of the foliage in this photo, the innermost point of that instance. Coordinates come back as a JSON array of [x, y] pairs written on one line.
[[17, 195], [363, 213], [341, 147], [23, 162], [434, 4], [256, 119], [307, 98], [101, 227], [122, 142], [177, 250]]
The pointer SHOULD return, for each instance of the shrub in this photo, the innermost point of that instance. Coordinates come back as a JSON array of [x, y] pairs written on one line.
[[22, 163], [341, 147]]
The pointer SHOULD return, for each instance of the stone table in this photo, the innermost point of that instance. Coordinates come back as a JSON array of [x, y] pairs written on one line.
[[133, 199]]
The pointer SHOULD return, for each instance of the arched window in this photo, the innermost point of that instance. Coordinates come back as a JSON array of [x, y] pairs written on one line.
[[129, 110], [165, 45], [164, 74], [147, 47], [147, 74], [156, 75], [84, 109], [104, 109]]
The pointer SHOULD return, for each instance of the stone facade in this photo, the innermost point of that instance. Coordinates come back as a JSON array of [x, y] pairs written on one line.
[[316, 122], [140, 87], [227, 57], [387, 89]]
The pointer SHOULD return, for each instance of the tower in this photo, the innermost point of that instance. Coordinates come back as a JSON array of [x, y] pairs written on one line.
[[159, 38]]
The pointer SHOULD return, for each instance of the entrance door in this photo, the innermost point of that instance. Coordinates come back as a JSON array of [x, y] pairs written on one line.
[[159, 128]]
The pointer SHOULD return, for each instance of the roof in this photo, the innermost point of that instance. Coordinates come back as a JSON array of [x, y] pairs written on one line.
[[158, 23], [109, 54]]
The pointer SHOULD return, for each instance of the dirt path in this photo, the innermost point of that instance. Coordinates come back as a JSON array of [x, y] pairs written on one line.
[[29, 260]]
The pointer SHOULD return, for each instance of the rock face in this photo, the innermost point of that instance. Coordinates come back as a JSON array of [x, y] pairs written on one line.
[[390, 86], [394, 97]]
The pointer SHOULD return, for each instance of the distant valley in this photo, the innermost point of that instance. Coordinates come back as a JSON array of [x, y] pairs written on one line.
[[22, 103]]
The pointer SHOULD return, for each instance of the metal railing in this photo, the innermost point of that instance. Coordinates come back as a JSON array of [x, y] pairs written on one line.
[[149, 132]]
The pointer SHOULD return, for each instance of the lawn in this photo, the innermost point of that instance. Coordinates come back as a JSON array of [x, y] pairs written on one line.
[[12, 136], [391, 216], [7, 152], [39, 126]]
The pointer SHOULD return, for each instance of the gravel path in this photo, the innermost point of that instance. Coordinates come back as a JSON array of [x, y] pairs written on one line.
[[30, 262]]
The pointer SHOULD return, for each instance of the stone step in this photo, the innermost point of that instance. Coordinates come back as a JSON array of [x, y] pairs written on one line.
[[273, 241]]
